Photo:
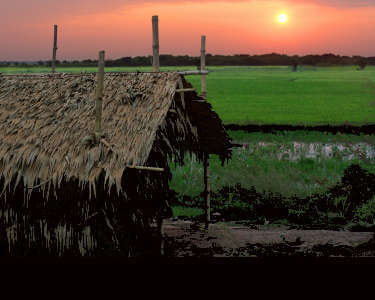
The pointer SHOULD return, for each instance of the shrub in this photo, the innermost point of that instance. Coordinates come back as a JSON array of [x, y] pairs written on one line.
[[356, 188], [366, 212], [342, 206], [362, 64]]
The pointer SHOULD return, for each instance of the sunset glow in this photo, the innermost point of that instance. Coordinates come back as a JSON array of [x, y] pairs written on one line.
[[123, 27], [282, 18]]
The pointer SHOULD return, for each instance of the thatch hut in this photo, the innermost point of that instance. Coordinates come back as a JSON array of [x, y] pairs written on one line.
[[63, 194]]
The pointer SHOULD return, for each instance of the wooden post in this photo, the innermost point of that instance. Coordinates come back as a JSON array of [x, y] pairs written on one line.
[[155, 44], [206, 161], [54, 48], [207, 189], [203, 66], [99, 97]]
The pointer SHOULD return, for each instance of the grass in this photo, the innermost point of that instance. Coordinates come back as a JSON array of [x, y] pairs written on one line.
[[366, 212], [276, 95], [260, 168], [182, 211], [258, 95]]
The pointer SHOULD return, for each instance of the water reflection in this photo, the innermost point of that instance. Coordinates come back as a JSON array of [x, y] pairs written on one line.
[[297, 150]]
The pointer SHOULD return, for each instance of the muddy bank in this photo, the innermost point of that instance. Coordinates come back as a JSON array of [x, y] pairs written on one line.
[[189, 239], [346, 129]]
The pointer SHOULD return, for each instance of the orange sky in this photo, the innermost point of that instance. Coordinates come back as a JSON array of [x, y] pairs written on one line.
[[123, 28]]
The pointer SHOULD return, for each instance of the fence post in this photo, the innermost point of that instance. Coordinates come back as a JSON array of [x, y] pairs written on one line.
[[155, 44], [99, 97], [54, 48]]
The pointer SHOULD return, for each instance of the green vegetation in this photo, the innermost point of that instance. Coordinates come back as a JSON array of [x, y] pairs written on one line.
[[260, 167], [349, 204], [276, 95], [183, 211], [366, 212], [255, 186]]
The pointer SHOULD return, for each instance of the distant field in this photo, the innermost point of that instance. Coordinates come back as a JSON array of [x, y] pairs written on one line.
[[276, 95]]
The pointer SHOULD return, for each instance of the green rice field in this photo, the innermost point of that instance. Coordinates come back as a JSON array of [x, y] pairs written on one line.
[[276, 95]]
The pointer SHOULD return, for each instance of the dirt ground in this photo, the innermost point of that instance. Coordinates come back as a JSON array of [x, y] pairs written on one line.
[[188, 239]]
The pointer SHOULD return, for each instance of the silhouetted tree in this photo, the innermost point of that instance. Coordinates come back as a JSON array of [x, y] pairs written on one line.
[[362, 65]]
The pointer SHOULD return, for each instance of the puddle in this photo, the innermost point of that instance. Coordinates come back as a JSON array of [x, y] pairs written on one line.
[[297, 150]]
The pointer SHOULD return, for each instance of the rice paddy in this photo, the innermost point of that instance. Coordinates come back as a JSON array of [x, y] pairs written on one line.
[[278, 96]]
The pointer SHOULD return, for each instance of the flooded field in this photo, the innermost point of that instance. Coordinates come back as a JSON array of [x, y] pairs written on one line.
[[297, 150]]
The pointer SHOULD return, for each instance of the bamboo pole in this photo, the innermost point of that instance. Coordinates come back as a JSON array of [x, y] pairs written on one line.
[[207, 188], [193, 72], [146, 168], [155, 45], [104, 142], [203, 66], [99, 97], [206, 161], [185, 90], [54, 48]]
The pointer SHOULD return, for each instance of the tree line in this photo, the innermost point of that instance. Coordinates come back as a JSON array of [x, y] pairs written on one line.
[[273, 59]]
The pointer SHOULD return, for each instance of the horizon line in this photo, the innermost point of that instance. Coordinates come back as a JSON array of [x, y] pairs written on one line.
[[198, 56]]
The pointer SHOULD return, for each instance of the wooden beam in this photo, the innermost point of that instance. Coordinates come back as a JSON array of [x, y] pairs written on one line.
[[54, 48], [155, 45], [193, 72], [99, 97], [104, 142], [146, 168], [185, 90]]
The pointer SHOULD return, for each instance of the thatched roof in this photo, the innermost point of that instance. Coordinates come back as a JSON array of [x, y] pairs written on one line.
[[46, 124]]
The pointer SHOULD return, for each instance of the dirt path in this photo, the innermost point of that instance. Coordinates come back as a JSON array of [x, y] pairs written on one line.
[[185, 238]]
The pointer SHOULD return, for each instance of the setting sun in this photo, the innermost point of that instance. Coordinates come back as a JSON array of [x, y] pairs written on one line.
[[283, 18]]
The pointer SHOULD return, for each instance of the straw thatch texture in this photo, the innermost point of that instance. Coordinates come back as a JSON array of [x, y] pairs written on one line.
[[212, 136], [46, 125], [54, 178]]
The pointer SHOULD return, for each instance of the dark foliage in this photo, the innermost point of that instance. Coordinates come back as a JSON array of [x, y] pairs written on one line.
[[271, 59], [362, 63], [347, 128], [357, 186]]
